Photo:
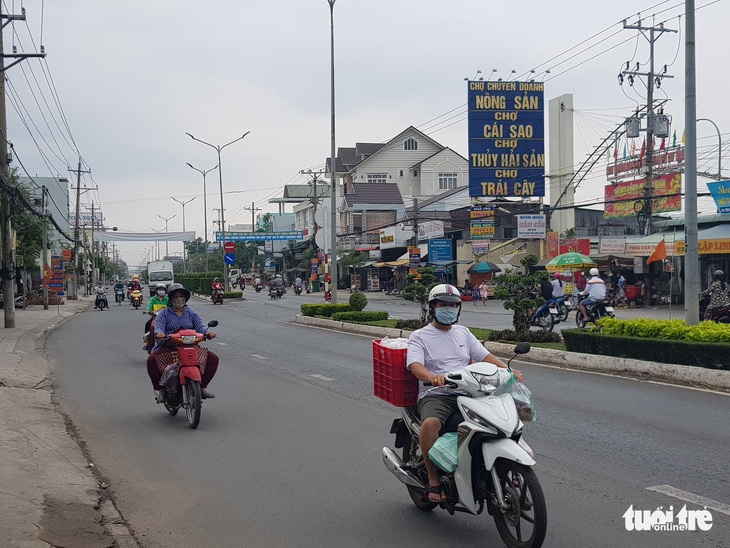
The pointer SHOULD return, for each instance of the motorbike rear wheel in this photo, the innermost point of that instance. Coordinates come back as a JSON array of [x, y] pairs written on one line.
[[417, 495], [526, 510], [546, 322], [580, 320], [194, 400], [563, 312]]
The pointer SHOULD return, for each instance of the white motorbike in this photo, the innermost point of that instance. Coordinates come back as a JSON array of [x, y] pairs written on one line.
[[494, 464]]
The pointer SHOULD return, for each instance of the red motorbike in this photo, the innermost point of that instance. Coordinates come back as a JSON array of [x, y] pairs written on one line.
[[182, 372]]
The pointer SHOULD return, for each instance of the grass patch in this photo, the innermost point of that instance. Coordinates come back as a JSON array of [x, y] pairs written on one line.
[[550, 346], [480, 333]]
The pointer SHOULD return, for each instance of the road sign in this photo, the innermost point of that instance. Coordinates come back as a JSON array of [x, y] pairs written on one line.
[[229, 258], [230, 247]]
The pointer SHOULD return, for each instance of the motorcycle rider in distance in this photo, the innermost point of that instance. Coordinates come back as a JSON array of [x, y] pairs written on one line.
[[100, 294], [170, 320], [216, 285], [275, 283], [433, 351], [596, 291], [157, 302], [298, 283], [119, 286], [557, 284], [717, 292]]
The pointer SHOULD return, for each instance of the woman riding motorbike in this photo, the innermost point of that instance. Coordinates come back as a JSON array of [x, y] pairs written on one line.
[[169, 320], [717, 292]]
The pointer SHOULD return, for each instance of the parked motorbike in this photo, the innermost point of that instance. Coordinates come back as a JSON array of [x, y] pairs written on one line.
[[494, 464], [217, 296], [596, 311], [136, 298], [182, 380], [544, 316], [721, 314]]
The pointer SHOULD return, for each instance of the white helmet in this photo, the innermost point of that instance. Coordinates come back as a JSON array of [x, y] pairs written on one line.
[[444, 292], [593, 272], [278, 275]]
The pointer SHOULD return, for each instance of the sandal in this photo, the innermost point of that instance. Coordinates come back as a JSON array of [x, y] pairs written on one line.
[[436, 490]]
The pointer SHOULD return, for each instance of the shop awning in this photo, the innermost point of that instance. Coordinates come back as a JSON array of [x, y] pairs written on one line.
[[392, 264], [448, 263]]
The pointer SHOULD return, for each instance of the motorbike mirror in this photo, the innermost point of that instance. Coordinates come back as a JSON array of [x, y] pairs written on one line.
[[212, 323], [522, 348]]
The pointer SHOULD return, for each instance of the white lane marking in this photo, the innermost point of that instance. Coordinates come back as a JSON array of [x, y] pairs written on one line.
[[259, 356], [223, 344], [691, 497], [322, 377]]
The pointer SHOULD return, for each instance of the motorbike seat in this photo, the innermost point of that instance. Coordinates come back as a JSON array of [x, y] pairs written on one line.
[[452, 423]]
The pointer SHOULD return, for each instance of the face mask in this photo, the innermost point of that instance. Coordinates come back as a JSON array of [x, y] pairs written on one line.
[[161, 292], [178, 302], [446, 315]]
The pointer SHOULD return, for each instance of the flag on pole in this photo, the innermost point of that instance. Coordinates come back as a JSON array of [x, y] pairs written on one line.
[[615, 153], [684, 137], [659, 253], [633, 148], [662, 144], [625, 153], [674, 139], [47, 275], [643, 150]]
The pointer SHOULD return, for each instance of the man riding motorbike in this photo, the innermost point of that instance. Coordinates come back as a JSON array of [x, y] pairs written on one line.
[[276, 283], [169, 320], [298, 285], [159, 301], [717, 292], [439, 348], [596, 291], [100, 295], [119, 286]]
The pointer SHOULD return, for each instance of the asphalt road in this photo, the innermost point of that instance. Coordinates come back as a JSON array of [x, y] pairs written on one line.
[[288, 453]]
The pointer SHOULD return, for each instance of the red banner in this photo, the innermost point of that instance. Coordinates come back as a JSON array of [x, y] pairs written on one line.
[[557, 246], [621, 198]]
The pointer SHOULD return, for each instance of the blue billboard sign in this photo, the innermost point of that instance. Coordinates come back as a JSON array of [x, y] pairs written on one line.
[[721, 194], [439, 249], [506, 139]]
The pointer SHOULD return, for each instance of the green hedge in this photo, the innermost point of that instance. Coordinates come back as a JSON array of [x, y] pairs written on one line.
[[358, 301], [199, 282], [233, 295], [510, 335], [665, 329], [710, 355], [360, 316], [324, 309]]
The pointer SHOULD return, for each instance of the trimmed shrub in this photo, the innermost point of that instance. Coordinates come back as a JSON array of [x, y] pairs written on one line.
[[360, 316], [409, 324], [665, 329], [324, 309], [510, 335], [710, 355], [233, 295], [358, 301]]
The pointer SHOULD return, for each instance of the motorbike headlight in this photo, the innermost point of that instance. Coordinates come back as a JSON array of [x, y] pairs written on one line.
[[189, 339], [473, 416], [487, 383]]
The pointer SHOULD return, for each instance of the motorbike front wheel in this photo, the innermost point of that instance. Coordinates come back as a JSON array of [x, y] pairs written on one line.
[[563, 312], [524, 523], [193, 409], [417, 495], [580, 320], [546, 322]]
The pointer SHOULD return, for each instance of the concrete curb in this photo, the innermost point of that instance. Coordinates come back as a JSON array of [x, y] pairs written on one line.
[[666, 372]]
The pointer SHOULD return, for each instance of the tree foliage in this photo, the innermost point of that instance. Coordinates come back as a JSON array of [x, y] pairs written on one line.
[[417, 289], [29, 230], [519, 293]]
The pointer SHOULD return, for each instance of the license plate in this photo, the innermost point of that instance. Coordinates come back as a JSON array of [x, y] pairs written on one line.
[[553, 311], [609, 309]]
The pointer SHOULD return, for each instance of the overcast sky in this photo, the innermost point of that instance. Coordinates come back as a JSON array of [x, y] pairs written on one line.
[[133, 77]]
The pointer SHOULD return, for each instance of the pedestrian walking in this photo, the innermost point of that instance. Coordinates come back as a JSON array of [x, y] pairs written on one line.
[[475, 295], [483, 292]]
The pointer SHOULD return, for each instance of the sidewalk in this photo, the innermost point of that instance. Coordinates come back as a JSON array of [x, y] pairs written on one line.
[[49, 495]]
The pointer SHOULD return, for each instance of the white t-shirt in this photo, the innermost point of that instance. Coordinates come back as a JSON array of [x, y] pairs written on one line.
[[596, 289], [557, 289], [443, 352]]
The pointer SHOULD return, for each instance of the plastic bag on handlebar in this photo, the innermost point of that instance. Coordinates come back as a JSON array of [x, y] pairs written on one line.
[[521, 396], [443, 452]]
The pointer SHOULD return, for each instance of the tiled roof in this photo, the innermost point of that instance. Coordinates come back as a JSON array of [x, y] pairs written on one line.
[[374, 193]]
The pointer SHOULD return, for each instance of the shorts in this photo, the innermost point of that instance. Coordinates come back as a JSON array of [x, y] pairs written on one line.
[[588, 302], [440, 407]]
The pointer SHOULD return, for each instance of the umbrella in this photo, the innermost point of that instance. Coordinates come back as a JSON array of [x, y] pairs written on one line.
[[570, 260], [483, 267]]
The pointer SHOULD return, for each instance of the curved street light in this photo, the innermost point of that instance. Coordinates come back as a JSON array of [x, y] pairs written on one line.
[[218, 149], [185, 247], [204, 172], [719, 147], [333, 165]]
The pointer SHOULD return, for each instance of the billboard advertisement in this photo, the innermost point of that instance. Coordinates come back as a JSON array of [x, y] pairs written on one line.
[[721, 194], [531, 226], [626, 199], [506, 139], [439, 249]]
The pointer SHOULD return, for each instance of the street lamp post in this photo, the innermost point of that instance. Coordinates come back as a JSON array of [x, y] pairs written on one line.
[[167, 251], [182, 203], [218, 149], [157, 258], [204, 172], [333, 165], [719, 147]]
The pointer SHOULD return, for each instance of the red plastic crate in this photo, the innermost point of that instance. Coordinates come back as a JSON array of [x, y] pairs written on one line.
[[392, 382]]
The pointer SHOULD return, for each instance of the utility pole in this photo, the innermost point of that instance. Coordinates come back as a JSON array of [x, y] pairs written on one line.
[[77, 237], [219, 222], [8, 264], [46, 276], [93, 249], [651, 119], [314, 200], [253, 209]]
